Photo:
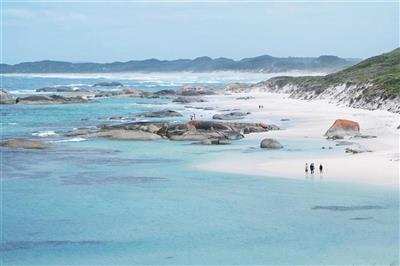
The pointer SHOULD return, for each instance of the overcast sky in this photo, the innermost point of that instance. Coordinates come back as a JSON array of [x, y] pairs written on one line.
[[106, 32]]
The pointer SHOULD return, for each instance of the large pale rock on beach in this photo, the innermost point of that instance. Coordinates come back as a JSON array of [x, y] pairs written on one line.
[[270, 144], [6, 97], [24, 144], [343, 127], [129, 134]]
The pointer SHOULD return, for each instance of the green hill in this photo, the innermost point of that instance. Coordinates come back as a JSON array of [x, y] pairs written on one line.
[[382, 71]]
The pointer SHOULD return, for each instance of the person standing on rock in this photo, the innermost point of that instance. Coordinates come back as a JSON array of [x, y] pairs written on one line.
[[312, 168]]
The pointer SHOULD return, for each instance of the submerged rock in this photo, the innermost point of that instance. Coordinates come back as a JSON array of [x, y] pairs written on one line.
[[343, 127], [230, 116], [6, 97], [270, 144], [24, 144]]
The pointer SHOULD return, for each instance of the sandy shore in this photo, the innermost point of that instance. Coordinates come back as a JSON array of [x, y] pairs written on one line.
[[308, 121]]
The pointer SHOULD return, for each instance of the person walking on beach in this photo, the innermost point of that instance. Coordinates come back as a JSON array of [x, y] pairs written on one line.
[[312, 168], [321, 168], [306, 170]]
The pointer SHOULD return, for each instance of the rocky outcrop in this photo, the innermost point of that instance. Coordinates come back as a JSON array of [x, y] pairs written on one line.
[[270, 144], [186, 99], [49, 99], [160, 114], [61, 89], [24, 144], [6, 97], [131, 92], [343, 127], [128, 134], [195, 91], [189, 131], [108, 84], [230, 116], [165, 93]]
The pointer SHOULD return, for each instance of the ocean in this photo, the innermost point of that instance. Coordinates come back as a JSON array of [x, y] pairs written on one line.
[[111, 202]]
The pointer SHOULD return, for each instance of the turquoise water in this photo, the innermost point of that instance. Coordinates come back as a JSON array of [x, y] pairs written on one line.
[[107, 202]]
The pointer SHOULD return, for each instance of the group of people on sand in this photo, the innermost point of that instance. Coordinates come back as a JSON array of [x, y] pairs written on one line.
[[261, 107], [312, 168]]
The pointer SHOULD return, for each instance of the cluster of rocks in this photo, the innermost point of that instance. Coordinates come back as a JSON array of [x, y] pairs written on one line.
[[7, 98], [184, 95], [206, 132]]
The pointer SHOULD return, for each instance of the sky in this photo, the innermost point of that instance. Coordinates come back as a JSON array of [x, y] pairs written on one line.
[[104, 31]]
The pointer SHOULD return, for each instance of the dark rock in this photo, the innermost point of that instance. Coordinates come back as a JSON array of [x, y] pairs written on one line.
[[162, 113], [270, 144], [245, 98], [356, 150], [186, 99], [108, 84], [165, 92], [215, 142], [348, 208], [230, 116], [365, 136], [344, 143]]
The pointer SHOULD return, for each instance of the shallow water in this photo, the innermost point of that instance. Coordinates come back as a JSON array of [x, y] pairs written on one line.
[[101, 201]]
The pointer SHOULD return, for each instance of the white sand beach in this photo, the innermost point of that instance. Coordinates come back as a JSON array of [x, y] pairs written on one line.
[[309, 120]]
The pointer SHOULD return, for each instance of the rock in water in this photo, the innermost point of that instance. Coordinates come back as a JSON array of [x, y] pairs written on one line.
[[108, 84], [24, 144], [129, 135], [49, 99], [270, 144], [343, 127], [162, 113], [6, 97]]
